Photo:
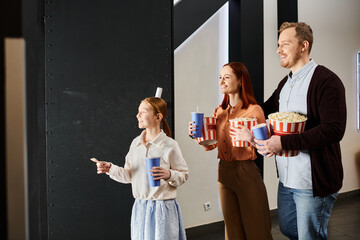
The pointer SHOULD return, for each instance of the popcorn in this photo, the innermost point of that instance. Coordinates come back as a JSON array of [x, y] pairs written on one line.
[[288, 117], [285, 123], [243, 119]]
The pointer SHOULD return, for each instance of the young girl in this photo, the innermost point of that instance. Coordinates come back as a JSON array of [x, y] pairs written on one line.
[[242, 192], [156, 214]]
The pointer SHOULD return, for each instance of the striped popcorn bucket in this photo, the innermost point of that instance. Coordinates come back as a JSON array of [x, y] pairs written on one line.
[[208, 132], [281, 128], [249, 124]]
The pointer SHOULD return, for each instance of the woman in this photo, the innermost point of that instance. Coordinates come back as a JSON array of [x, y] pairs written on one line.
[[242, 192]]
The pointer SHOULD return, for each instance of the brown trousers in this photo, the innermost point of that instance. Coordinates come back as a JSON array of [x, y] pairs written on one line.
[[244, 201]]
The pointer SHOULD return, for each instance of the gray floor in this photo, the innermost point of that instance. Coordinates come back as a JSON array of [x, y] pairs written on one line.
[[344, 222]]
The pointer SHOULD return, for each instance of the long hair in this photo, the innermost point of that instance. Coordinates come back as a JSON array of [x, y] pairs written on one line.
[[159, 106], [246, 91]]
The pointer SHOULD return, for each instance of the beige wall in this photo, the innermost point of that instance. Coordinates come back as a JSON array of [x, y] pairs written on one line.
[[336, 42], [16, 160], [197, 65]]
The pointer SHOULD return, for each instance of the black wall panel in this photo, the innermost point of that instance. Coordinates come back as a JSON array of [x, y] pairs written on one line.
[[246, 41], [287, 11], [102, 58], [246, 44], [34, 35]]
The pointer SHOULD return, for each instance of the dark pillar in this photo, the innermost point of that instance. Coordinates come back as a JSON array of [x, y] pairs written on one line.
[[287, 11], [246, 43], [33, 33]]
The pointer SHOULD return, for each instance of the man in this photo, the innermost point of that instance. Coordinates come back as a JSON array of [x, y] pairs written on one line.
[[309, 182]]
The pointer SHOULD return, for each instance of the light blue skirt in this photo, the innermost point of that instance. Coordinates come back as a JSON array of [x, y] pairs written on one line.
[[157, 220]]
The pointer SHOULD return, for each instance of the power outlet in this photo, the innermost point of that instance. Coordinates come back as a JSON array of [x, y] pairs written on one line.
[[207, 206]]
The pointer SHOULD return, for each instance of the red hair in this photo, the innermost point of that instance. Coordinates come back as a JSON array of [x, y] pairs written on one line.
[[246, 91], [159, 106]]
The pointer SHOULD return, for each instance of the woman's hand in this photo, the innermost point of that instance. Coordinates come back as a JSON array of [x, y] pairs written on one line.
[[160, 173], [192, 128], [241, 134], [102, 167], [214, 112]]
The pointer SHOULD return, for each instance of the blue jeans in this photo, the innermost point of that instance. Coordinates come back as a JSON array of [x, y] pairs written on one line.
[[302, 216]]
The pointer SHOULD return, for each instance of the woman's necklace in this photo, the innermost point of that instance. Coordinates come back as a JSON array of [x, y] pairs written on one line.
[[232, 109]]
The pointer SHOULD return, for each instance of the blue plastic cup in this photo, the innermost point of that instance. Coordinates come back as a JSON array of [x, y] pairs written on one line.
[[150, 163], [198, 118], [260, 132]]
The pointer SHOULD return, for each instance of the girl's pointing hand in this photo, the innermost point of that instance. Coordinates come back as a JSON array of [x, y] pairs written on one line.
[[102, 167]]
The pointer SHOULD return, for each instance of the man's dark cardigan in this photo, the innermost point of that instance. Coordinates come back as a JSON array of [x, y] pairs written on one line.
[[325, 127]]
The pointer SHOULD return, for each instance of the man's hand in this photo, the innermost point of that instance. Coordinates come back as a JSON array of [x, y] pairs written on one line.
[[270, 147]]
